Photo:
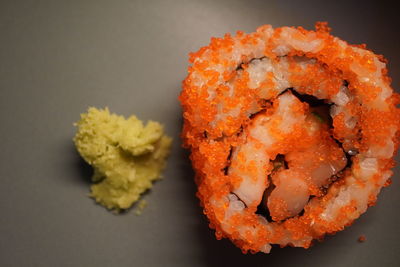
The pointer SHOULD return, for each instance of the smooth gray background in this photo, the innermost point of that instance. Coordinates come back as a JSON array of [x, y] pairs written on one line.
[[59, 57]]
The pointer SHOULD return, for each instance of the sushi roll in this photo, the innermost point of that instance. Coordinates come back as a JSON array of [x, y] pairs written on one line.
[[292, 134]]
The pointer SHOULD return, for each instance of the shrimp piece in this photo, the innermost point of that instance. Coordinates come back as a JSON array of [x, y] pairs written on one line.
[[309, 169], [290, 195], [251, 160], [320, 161], [251, 165]]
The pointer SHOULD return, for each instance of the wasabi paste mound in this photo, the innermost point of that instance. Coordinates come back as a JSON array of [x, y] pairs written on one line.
[[127, 156]]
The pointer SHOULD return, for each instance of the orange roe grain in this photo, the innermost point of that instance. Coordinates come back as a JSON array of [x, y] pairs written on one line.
[[362, 239]]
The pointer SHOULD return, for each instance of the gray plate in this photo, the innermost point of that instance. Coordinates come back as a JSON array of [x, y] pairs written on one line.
[[59, 57]]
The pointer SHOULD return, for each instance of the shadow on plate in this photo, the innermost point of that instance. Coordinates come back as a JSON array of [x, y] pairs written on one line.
[[83, 170]]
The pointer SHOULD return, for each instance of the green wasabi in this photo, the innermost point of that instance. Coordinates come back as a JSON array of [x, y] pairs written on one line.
[[127, 156]]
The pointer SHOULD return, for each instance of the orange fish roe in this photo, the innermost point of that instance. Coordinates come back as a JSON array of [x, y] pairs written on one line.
[[232, 100], [279, 208], [362, 239]]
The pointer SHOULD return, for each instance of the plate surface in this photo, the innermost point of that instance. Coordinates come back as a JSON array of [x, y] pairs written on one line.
[[57, 58]]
